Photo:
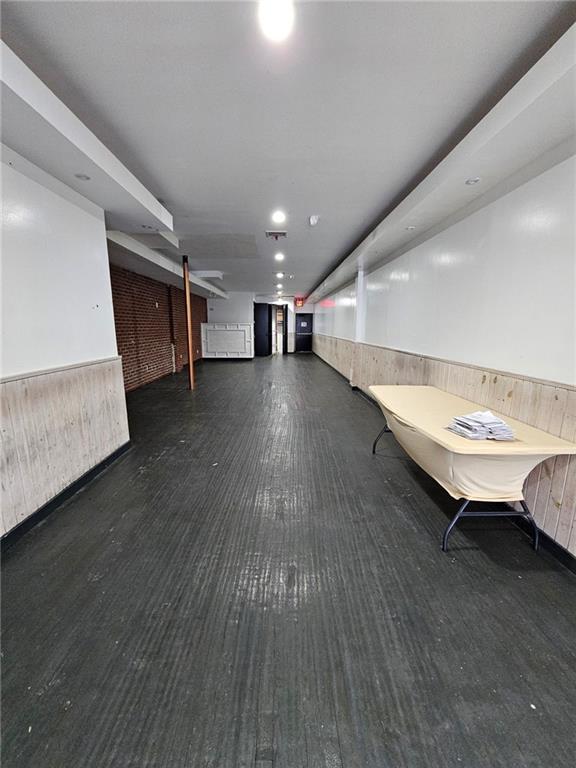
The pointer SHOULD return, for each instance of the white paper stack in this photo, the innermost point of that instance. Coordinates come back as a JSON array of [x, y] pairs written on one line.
[[481, 425]]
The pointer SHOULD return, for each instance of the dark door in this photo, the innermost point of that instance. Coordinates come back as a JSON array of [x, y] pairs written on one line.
[[285, 329], [304, 332], [262, 329]]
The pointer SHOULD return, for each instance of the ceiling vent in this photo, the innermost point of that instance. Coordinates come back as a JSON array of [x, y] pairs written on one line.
[[276, 234]]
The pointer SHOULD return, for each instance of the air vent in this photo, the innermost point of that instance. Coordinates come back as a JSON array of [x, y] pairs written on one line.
[[276, 234]]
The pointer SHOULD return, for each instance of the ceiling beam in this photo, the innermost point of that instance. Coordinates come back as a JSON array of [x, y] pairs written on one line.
[[127, 252], [39, 126]]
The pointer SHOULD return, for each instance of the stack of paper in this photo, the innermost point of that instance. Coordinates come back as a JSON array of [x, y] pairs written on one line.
[[481, 425]]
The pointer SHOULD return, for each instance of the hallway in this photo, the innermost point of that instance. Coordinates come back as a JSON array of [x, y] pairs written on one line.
[[249, 586]]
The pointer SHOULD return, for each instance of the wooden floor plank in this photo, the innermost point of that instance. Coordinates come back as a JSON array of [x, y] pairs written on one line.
[[249, 586]]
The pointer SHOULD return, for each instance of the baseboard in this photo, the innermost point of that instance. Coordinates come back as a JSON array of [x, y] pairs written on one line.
[[22, 528], [546, 542], [336, 371]]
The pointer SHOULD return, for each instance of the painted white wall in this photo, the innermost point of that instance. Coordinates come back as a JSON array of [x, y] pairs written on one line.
[[56, 295], [237, 308], [306, 308], [335, 315], [497, 289]]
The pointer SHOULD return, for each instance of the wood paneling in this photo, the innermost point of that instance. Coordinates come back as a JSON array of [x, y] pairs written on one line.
[[551, 488], [338, 353], [55, 427]]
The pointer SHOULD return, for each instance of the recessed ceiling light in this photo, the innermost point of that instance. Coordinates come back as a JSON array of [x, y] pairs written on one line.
[[279, 257], [410, 228], [473, 180], [280, 275], [276, 19], [314, 220], [291, 277], [278, 217], [82, 176], [279, 285], [279, 293]]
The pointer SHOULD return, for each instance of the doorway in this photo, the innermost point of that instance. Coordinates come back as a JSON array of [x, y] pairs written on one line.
[[304, 332], [281, 328], [270, 329], [263, 329]]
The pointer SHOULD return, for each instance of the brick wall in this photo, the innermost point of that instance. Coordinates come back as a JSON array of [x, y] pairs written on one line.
[[150, 320]]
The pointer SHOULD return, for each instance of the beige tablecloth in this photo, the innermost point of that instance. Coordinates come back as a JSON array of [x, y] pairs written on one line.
[[482, 470]]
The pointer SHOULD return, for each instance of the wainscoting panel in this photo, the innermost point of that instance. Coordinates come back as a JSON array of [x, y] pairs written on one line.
[[57, 425], [338, 353], [551, 488], [222, 340]]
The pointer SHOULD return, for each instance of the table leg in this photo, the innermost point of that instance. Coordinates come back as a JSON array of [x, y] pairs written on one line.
[[528, 516], [453, 522], [384, 429]]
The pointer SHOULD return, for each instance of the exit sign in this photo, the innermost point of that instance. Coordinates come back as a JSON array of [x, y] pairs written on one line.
[[298, 302]]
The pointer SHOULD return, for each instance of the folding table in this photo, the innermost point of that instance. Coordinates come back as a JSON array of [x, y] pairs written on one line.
[[470, 470]]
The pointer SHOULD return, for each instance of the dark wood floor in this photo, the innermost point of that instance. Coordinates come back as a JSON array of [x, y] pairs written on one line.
[[249, 586]]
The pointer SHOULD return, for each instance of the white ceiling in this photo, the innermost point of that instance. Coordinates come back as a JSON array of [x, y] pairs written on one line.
[[341, 120]]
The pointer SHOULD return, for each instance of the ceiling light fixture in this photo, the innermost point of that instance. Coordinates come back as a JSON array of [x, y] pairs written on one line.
[[278, 217], [473, 180], [276, 18], [279, 285], [279, 293], [279, 257], [313, 220], [82, 176], [279, 275]]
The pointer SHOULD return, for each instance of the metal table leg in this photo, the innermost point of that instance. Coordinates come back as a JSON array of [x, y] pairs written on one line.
[[526, 514], [453, 522], [384, 429]]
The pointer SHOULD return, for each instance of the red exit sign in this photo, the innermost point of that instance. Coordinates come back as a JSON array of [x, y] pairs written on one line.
[[299, 302]]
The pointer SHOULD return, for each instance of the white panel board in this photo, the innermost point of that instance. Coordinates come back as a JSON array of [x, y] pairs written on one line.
[[497, 289], [335, 315], [227, 340], [56, 296]]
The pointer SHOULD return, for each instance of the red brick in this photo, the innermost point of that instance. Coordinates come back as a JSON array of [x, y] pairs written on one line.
[[150, 320]]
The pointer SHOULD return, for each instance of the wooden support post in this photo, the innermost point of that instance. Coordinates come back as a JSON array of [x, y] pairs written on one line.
[[186, 279]]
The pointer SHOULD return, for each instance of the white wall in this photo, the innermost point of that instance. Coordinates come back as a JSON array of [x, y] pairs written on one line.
[[56, 296], [335, 315], [497, 289], [237, 308]]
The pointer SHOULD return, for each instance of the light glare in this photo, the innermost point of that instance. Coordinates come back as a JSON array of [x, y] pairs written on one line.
[[278, 217], [276, 18], [279, 257]]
